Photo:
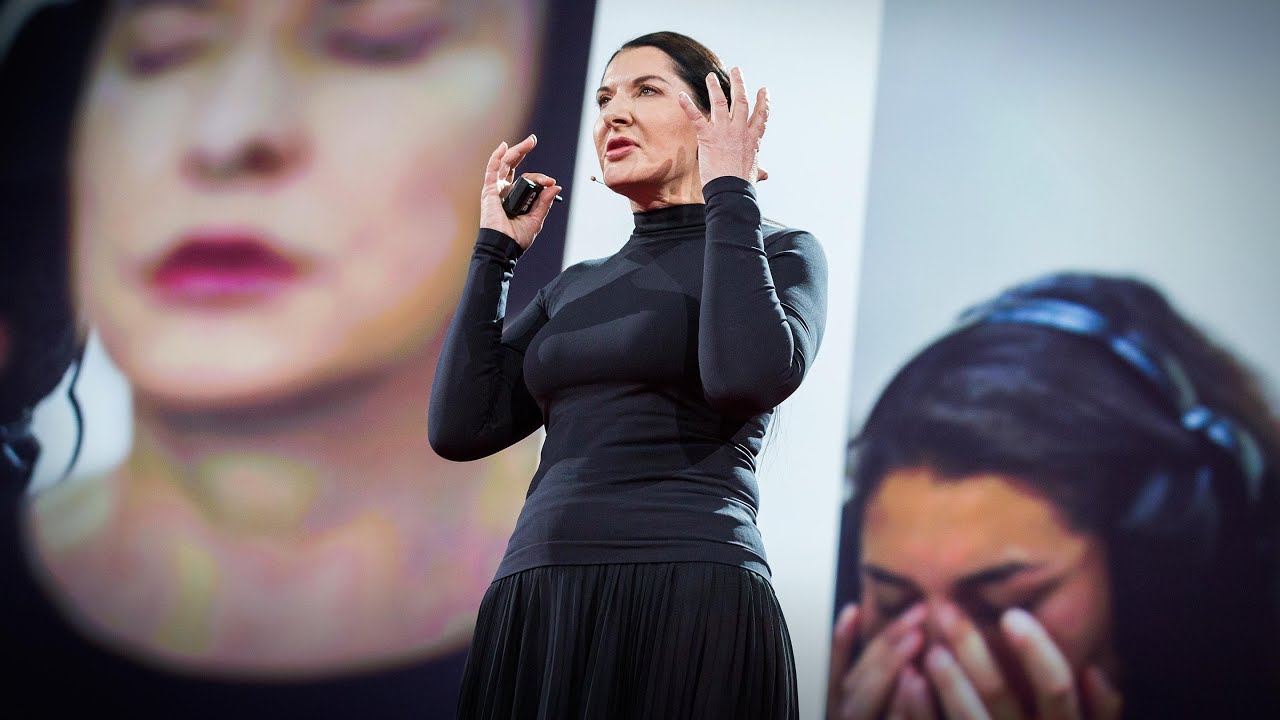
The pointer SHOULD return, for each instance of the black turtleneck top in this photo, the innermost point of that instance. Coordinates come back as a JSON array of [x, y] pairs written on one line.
[[655, 371]]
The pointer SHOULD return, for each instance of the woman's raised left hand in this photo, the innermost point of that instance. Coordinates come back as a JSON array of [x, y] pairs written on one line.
[[729, 139]]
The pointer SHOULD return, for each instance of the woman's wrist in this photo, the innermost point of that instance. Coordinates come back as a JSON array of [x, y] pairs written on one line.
[[726, 183], [499, 243]]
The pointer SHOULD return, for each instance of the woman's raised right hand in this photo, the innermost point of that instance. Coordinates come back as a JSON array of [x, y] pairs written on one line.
[[498, 175], [882, 677]]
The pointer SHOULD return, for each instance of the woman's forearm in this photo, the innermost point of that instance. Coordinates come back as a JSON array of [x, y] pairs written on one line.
[[763, 308], [479, 403]]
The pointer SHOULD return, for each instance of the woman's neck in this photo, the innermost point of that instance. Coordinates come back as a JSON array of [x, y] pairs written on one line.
[[337, 507], [652, 196], [299, 466]]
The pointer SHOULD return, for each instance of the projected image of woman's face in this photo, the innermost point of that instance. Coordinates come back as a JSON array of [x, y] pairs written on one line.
[[270, 197]]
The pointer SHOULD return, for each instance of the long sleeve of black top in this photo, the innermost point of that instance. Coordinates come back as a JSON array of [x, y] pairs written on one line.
[[479, 402], [763, 310]]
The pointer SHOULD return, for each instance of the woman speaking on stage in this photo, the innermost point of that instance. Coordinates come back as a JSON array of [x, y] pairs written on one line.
[[635, 583]]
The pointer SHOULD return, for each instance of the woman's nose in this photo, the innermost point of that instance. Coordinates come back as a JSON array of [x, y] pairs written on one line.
[[617, 112], [247, 126]]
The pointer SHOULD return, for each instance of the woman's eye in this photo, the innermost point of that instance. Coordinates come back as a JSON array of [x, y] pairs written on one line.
[[985, 614], [989, 613], [602, 100], [153, 61], [648, 90], [889, 609], [401, 47], [893, 611], [163, 36]]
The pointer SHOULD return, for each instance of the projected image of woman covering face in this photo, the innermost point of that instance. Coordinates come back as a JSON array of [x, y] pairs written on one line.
[[1034, 531], [268, 236]]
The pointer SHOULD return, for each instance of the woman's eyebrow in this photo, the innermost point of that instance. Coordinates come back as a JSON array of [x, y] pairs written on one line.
[[647, 78], [889, 578], [995, 574], [635, 81]]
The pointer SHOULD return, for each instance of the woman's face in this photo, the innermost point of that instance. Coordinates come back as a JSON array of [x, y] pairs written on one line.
[[984, 544], [272, 196], [645, 143]]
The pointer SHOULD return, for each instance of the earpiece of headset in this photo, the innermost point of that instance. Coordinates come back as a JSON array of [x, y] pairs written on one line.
[[1228, 438], [18, 450]]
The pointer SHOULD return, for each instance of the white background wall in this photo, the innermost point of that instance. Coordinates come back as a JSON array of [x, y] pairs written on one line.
[[818, 59], [1015, 138]]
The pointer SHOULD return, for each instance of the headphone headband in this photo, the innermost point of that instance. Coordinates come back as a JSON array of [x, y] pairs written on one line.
[[1159, 368]]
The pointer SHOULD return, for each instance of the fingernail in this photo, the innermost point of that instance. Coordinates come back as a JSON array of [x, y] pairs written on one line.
[[532, 136], [914, 615], [1017, 621], [908, 644], [913, 683], [947, 617], [845, 614], [918, 688], [938, 658]]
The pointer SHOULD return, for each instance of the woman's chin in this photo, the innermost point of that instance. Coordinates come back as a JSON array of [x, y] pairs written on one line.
[[219, 394], [213, 386], [304, 373]]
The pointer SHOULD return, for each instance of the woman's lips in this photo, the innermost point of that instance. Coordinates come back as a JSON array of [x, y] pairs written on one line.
[[618, 148], [222, 268]]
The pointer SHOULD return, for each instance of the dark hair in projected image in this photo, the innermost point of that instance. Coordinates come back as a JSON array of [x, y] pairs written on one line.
[[40, 71]]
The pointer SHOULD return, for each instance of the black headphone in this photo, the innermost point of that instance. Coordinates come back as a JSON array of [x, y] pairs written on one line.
[[18, 450], [1168, 501]]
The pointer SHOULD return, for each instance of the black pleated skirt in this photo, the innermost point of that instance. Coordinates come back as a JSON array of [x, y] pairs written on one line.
[[648, 640]]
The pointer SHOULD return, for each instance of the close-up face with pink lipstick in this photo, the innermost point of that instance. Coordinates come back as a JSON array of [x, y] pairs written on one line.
[[269, 219], [266, 194]]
